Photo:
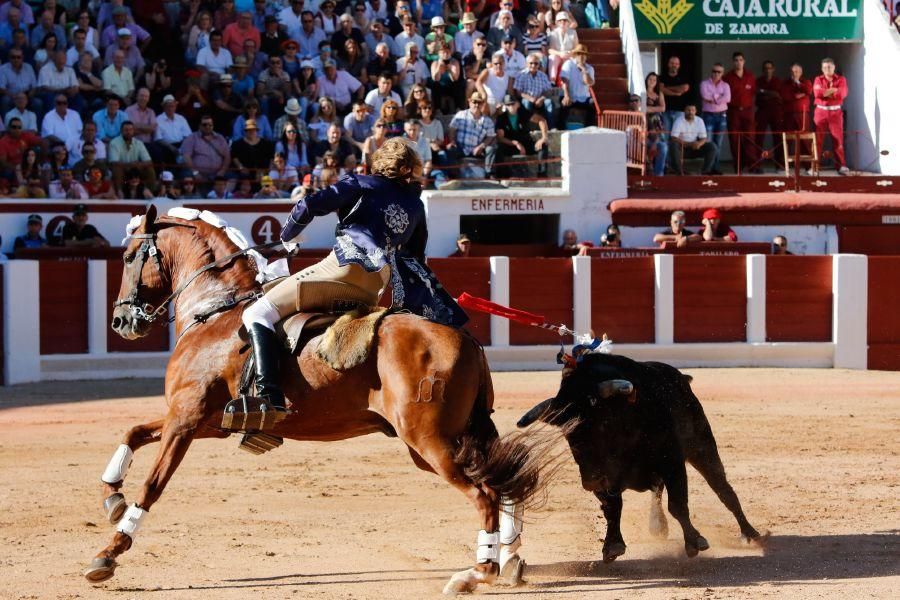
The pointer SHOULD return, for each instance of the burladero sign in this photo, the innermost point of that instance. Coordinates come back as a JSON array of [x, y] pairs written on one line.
[[760, 20]]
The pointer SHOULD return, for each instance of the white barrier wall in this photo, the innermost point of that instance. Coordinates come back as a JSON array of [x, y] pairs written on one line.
[[847, 349]]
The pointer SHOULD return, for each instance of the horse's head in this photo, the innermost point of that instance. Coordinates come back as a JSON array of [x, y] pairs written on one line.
[[144, 285]]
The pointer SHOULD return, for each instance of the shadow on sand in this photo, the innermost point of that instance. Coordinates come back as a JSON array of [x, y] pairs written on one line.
[[789, 558], [46, 393]]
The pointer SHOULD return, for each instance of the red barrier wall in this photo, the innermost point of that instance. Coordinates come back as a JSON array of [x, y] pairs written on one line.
[[623, 299], [798, 298], [542, 286], [710, 299], [63, 306], [873, 240], [472, 275], [884, 318], [158, 338]]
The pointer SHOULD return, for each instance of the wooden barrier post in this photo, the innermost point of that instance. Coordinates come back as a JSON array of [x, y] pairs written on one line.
[[581, 282], [22, 322], [97, 307], [665, 298], [756, 298], [500, 295], [849, 321]]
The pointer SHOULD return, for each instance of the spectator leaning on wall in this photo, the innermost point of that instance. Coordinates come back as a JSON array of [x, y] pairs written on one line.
[[676, 232], [714, 230]]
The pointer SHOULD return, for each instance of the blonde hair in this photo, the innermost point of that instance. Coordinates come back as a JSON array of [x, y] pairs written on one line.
[[397, 159]]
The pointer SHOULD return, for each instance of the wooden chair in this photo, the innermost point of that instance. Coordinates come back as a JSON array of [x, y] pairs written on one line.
[[800, 137]]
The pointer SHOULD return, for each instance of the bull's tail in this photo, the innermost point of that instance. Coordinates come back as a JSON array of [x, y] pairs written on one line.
[[518, 465]]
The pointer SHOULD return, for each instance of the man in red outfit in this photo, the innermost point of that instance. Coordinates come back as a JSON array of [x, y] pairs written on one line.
[[795, 93], [829, 91], [741, 121], [770, 110]]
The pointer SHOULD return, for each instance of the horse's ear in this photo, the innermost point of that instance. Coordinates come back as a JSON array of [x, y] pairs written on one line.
[[150, 218]]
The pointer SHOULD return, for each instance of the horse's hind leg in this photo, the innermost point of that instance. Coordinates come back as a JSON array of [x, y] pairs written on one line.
[[439, 456], [114, 476], [177, 434]]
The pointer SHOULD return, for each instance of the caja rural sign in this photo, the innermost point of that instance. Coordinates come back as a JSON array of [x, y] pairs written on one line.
[[762, 20]]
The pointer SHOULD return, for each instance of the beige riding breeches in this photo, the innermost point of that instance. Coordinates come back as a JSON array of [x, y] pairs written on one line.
[[317, 287]]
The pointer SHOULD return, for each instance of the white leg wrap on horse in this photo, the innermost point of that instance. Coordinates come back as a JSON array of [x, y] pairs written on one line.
[[131, 520], [511, 516], [263, 312], [488, 547], [118, 465]]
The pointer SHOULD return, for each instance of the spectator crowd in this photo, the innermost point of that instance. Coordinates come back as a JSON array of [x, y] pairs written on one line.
[[248, 98], [688, 120]]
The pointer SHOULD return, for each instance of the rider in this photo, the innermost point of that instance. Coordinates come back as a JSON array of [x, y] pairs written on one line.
[[380, 239]]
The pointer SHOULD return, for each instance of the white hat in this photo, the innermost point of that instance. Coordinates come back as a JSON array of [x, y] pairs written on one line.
[[124, 31], [437, 22], [168, 98], [167, 176], [292, 107], [562, 16], [307, 64]]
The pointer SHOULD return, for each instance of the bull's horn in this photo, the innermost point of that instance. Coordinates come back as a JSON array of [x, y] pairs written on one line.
[[612, 387], [535, 413]]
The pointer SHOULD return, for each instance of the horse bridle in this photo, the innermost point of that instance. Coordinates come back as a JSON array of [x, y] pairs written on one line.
[[144, 311]]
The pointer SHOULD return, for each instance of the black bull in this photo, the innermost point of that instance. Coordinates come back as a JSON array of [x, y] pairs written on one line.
[[636, 425]]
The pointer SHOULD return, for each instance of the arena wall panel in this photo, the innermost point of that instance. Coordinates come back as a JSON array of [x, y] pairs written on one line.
[[472, 275], [542, 286], [63, 300], [623, 299], [884, 318], [158, 338], [874, 240], [710, 303], [798, 298]]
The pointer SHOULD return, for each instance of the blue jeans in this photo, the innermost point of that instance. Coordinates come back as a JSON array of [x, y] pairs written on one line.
[[548, 110], [716, 127], [669, 117], [662, 153]]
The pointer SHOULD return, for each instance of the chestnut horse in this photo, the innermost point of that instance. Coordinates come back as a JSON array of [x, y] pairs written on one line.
[[448, 431]]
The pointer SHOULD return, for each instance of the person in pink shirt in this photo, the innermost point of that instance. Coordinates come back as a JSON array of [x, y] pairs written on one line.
[[829, 91], [716, 95], [238, 32]]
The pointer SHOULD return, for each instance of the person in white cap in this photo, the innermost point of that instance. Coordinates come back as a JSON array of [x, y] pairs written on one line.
[[563, 40], [171, 128], [437, 35], [292, 115], [133, 58], [167, 187]]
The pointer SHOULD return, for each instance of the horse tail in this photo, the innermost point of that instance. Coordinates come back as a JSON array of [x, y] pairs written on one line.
[[517, 466]]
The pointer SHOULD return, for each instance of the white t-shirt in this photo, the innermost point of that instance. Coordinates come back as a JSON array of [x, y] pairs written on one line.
[[375, 100], [216, 63], [689, 131]]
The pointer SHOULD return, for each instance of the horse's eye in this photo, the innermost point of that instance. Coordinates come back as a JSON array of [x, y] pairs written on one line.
[[129, 258]]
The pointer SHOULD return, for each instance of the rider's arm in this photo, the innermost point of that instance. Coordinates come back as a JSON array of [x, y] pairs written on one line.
[[345, 192]]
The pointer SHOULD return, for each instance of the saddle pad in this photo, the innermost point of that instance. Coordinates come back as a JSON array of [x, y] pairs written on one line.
[[347, 343], [298, 329]]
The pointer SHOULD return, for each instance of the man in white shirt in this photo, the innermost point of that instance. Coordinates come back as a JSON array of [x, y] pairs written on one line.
[[61, 125], [16, 76], [56, 78], [118, 79], [88, 138], [340, 86], [171, 128], [21, 112], [688, 140], [214, 58], [408, 35], [79, 47], [381, 94], [465, 38]]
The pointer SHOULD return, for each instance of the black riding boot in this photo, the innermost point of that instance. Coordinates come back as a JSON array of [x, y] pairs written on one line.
[[266, 358]]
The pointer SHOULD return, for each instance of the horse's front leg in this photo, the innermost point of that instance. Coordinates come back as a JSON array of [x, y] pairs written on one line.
[[114, 476], [178, 431]]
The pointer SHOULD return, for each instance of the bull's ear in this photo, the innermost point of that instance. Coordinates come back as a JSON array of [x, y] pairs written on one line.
[[611, 388], [150, 218], [536, 413]]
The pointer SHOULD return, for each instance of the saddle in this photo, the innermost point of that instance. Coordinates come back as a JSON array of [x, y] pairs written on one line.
[[349, 332]]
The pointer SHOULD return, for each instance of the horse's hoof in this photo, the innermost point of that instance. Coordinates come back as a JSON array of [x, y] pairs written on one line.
[[613, 551], [460, 583], [756, 539], [512, 570], [100, 570], [702, 544], [115, 507]]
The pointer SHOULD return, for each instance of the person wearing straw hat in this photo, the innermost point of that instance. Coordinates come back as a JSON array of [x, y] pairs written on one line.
[[464, 40], [251, 154], [576, 80]]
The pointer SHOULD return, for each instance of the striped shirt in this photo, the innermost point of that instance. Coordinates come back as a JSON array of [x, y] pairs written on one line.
[[530, 44], [534, 85]]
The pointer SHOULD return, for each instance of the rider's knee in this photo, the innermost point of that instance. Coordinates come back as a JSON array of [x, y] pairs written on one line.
[[262, 312]]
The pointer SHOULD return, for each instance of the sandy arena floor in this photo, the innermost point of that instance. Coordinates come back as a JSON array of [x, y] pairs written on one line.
[[813, 455]]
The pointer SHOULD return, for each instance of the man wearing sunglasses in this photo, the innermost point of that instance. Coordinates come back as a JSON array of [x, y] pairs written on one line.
[[472, 135]]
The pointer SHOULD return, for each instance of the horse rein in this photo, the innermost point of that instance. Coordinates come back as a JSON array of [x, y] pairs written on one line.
[[144, 310]]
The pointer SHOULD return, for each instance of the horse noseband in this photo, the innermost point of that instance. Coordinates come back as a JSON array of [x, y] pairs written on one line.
[[143, 311]]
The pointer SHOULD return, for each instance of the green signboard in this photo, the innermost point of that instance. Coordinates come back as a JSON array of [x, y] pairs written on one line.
[[758, 20]]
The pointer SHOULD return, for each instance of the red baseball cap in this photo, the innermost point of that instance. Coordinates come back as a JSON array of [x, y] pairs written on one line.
[[712, 213]]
